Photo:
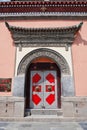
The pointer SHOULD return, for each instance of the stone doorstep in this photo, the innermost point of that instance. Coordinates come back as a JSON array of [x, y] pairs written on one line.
[[42, 119], [55, 112]]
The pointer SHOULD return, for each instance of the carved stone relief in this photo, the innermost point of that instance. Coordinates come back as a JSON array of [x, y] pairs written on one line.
[[59, 59]]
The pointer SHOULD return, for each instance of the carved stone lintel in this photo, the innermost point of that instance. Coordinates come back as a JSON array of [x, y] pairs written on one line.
[[59, 59]]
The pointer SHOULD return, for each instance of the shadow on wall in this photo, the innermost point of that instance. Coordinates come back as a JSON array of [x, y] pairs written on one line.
[[79, 40]]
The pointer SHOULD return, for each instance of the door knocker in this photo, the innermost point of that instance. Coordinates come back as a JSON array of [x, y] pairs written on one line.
[[49, 88], [37, 88]]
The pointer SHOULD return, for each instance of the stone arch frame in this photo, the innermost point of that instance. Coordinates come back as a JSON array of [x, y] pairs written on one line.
[[67, 82], [58, 59]]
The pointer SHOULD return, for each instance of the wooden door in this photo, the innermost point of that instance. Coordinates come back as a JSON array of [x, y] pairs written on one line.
[[43, 89]]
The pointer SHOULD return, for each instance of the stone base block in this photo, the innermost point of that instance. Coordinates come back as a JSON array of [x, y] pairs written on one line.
[[74, 106], [11, 107], [68, 110]]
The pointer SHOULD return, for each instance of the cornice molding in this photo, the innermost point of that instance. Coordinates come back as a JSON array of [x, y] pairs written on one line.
[[62, 36]]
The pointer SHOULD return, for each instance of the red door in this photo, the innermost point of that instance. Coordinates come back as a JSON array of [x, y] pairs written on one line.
[[43, 93]]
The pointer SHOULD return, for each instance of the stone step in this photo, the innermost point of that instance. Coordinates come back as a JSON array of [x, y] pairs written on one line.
[[44, 118], [57, 112]]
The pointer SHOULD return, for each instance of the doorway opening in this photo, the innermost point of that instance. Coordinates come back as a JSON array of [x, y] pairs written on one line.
[[43, 85]]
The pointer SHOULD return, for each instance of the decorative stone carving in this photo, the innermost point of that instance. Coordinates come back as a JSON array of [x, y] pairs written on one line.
[[59, 59]]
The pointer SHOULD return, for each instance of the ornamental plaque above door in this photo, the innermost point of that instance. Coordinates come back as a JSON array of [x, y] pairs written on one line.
[[43, 93]]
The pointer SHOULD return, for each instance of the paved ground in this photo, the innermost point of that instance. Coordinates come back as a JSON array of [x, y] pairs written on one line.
[[43, 126]]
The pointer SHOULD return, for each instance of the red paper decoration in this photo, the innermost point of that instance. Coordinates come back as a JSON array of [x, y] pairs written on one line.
[[50, 99], [36, 99], [36, 78], [50, 78]]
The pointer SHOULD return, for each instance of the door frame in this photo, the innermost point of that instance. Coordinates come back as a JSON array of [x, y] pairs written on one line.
[[40, 66]]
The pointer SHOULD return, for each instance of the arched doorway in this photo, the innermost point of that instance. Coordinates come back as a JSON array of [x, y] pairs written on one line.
[[22, 80], [66, 77], [43, 87]]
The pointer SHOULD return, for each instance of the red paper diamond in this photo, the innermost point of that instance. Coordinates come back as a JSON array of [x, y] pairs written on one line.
[[36, 78], [36, 99], [50, 78], [50, 99]]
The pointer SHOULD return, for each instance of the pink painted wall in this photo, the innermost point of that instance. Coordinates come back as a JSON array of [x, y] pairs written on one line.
[[7, 54], [79, 50]]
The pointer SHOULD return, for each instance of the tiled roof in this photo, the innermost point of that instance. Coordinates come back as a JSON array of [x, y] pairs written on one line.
[[60, 30], [53, 37], [39, 8], [55, 0]]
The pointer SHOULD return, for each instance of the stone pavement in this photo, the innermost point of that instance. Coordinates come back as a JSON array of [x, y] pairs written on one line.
[[43, 125]]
